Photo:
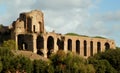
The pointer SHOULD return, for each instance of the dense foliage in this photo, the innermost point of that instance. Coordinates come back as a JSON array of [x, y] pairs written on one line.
[[7, 44], [111, 57], [70, 63]]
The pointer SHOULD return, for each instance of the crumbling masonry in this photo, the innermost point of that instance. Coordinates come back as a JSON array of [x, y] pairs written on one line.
[[29, 33]]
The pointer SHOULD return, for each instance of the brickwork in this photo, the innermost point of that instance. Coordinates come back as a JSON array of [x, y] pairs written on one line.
[[29, 34]]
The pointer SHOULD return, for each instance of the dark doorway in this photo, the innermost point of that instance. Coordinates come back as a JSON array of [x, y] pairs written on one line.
[[25, 42], [40, 45], [98, 47], [20, 41], [40, 42], [91, 48], [50, 45], [107, 46], [77, 46], [60, 44], [85, 48], [69, 45]]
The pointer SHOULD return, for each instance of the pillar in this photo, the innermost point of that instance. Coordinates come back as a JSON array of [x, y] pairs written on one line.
[[73, 46], [88, 48], [94, 47], [55, 45], [34, 43], [65, 45], [16, 41], [45, 47]]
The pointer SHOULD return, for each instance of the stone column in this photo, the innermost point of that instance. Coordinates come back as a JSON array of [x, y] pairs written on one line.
[[102, 47], [81, 48], [94, 47], [88, 48], [65, 45], [16, 41], [34, 43], [45, 47], [73, 45], [55, 45]]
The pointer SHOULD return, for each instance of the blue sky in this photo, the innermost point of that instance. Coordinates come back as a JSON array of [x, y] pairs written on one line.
[[86, 17], [109, 5]]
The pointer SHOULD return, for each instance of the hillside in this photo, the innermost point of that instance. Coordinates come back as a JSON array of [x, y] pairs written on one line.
[[29, 54]]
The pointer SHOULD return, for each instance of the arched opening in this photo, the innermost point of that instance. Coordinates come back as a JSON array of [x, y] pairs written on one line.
[[78, 46], [98, 47], [40, 44], [91, 48], [20, 41], [29, 24], [69, 44], [50, 45], [85, 48], [41, 28], [25, 42], [107, 46], [60, 44]]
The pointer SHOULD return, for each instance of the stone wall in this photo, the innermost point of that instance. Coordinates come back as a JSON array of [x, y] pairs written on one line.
[[30, 35]]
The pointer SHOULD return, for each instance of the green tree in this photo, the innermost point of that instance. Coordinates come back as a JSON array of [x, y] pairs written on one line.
[[5, 52], [1, 66], [40, 66], [102, 66], [21, 64], [109, 59], [1, 25], [9, 44], [70, 63], [5, 58]]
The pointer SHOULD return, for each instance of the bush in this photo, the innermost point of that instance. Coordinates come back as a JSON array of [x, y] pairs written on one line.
[[70, 63], [40, 66], [21, 64], [108, 61], [9, 44], [5, 52], [1, 66]]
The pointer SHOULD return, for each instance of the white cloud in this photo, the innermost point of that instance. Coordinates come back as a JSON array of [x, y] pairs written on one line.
[[66, 16]]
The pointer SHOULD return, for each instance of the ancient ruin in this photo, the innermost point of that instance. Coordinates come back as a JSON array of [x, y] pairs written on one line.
[[29, 33]]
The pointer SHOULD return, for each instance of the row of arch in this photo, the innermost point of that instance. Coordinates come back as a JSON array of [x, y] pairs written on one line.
[[107, 46], [40, 45], [60, 44]]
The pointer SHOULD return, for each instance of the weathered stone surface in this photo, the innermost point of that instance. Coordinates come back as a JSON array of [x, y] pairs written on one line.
[[29, 33]]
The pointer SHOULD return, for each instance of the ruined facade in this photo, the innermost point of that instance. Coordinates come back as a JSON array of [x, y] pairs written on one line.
[[29, 33]]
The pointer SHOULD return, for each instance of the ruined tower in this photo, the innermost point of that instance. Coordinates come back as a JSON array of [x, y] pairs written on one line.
[[29, 22]]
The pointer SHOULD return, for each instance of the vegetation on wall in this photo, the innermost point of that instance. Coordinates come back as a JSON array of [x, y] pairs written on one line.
[[75, 34], [99, 37]]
